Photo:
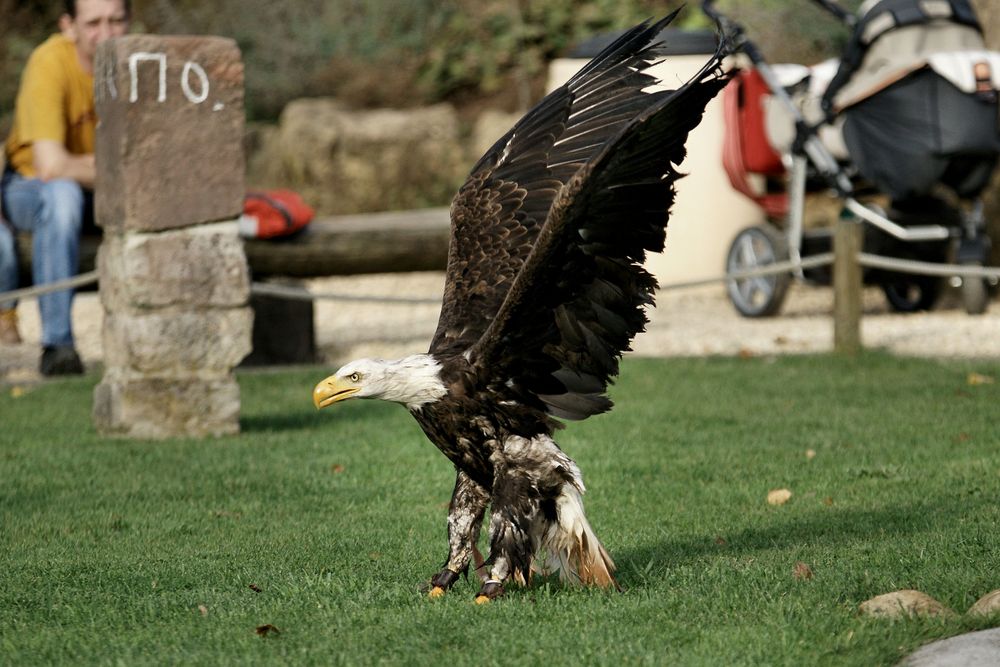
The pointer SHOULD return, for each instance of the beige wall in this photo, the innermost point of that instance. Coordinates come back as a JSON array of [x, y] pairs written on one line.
[[707, 213]]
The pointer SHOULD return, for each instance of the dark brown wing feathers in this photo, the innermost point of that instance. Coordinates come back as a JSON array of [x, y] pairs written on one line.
[[498, 213], [545, 286]]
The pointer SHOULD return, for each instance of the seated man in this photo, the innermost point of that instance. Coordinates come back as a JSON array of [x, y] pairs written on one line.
[[50, 167]]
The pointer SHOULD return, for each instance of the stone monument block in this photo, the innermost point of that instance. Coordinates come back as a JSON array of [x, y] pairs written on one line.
[[170, 150], [163, 408], [195, 267], [174, 278], [184, 343]]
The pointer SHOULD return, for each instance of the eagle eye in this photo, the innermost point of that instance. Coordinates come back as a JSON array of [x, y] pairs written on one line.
[[355, 377]]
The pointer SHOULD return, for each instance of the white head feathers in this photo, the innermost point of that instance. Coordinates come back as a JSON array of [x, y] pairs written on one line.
[[412, 381]]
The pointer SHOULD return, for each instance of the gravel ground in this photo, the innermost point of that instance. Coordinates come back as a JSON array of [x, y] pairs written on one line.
[[685, 323]]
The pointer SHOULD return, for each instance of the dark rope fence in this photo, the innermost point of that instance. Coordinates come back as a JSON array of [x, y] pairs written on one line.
[[824, 259]]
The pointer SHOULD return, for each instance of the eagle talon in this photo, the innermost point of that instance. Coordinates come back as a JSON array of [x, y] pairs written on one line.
[[443, 581], [437, 592], [491, 590]]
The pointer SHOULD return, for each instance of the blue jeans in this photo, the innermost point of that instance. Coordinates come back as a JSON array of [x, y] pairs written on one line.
[[52, 211]]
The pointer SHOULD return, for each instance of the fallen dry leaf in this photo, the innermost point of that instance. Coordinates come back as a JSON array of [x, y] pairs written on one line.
[[778, 496], [828, 501], [978, 378], [203, 609], [720, 541], [810, 454], [746, 353], [266, 629], [336, 468], [255, 588], [802, 571]]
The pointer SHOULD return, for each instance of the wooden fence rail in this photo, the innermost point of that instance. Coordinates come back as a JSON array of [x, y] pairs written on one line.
[[337, 245]]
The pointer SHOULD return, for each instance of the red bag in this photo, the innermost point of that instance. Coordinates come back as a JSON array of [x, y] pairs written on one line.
[[759, 157], [271, 213]]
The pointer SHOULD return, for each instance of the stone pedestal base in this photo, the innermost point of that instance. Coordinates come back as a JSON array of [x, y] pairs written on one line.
[[159, 408], [176, 324]]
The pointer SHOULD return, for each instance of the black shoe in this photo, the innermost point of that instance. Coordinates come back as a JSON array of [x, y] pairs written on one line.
[[60, 360]]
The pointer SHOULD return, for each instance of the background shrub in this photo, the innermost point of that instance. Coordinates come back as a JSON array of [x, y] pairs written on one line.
[[400, 54]]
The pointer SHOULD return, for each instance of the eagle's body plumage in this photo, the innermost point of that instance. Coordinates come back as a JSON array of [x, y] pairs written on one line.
[[545, 290]]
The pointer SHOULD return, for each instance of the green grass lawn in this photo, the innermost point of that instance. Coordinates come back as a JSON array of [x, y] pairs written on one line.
[[325, 524]]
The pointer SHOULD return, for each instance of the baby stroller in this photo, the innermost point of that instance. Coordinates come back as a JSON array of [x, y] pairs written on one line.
[[902, 130]]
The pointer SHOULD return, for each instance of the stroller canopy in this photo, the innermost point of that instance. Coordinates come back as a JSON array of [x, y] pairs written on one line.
[[918, 94], [893, 38]]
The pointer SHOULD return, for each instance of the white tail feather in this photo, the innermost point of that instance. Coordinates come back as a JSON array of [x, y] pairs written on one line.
[[572, 546]]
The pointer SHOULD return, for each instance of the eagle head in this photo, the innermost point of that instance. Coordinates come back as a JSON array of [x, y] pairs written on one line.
[[412, 381]]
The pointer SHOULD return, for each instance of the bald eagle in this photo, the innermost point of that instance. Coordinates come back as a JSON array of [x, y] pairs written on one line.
[[545, 290]]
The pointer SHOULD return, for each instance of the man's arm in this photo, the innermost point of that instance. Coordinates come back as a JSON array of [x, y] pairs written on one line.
[[52, 160]]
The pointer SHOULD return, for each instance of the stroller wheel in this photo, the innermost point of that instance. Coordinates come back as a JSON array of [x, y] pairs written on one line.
[[975, 294], [755, 247], [911, 293]]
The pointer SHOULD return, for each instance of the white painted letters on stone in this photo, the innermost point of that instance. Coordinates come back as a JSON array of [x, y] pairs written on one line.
[[133, 71], [190, 66], [195, 91]]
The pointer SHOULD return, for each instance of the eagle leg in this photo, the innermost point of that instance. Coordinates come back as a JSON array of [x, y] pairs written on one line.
[[441, 582], [465, 516], [490, 591], [513, 539]]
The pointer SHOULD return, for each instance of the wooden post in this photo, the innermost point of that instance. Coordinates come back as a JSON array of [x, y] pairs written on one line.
[[847, 287]]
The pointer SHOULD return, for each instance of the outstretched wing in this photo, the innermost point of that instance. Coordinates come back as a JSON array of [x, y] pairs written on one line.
[[500, 210], [580, 296]]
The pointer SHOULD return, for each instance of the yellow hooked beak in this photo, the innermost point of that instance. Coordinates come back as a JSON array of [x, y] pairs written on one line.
[[331, 390]]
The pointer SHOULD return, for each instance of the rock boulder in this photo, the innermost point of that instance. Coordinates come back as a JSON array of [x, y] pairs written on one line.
[[348, 161]]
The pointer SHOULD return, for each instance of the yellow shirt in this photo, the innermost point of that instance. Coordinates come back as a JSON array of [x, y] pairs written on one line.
[[55, 101]]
